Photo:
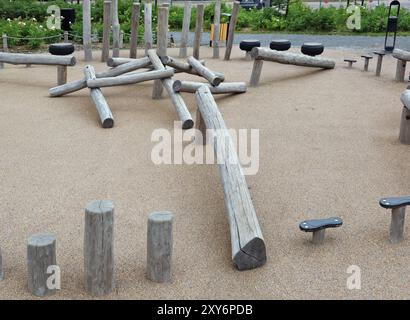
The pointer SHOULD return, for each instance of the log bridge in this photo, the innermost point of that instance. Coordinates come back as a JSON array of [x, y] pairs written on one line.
[[61, 62]]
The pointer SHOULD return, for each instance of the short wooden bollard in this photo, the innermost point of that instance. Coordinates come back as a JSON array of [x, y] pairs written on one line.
[[159, 246], [61, 75], [198, 29], [41, 255], [380, 56], [1, 267], [99, 247]]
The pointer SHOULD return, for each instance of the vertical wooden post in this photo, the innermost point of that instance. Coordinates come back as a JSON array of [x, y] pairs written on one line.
[[200, 125], [66, 36], [198, 29], [159, 246], [115, 30], [121, 39], [185, 29], [99, 247], [88, 55], [256, 72], [5, 44], [217, 21], [231, 31], [1, 267], [404, 135], [105, 54], [397, 224], [41, 254], [379, 65], [61, 75], [162, 42], [148, 27], [134, 29], [400, 70]]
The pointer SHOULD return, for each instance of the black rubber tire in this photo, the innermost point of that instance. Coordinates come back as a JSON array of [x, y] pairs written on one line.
[[312, 48], [248, 45], [280, 45], [61, 49]]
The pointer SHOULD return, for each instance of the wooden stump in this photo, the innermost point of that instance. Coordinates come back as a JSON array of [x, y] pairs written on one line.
[[41, 254], [105, 54], [61, 75], [99, 247], [185, 29], [400, 70], [231, 31], [256, 72], [159, 246], [198, 29], [404, 135], [134, 29]]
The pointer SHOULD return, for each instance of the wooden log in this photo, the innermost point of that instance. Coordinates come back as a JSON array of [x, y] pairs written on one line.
[[99, 247], [134, 29], [185, 29], [256, 72], [61, 75], [88, 54], [248, 247], [1, 267], [379, 65], [198, 29], [81, 84], [43, 59], [231, 31], [41, 254], [159, 246], [217, 21], [208, 74], [179, 103], [115, 30], [104, 111], [179, 65], [200, 125], [226, 87], [130, 79], [105, 54], [400, 70], [162, 42], [148, 27]]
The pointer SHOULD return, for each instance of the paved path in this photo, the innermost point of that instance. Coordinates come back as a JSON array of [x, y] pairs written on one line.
[[330, 41]]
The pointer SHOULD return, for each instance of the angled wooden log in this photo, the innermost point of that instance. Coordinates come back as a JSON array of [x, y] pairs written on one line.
[[162, 43], [41, 254], [71, 87], [130, 79], [198, 29], [217, 21], [134, 29], [104, 111], [231, 31], [248, 246], [88, 54], [178, 65], [185, 29], [41, 59], [105, 53], [1, 267], [159, 246], [179, 103], [115, 29], [208, 74], [226, 87], [148, 26], [99, 247], [297, 59]]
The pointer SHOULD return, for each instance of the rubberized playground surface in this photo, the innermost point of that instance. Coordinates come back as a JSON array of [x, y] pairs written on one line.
[[328, 147]]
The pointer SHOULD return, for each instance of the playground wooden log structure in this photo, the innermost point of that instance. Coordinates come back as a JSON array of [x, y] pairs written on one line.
[[203, 71], [264, 54], [129, 66], [130, 79], [104, 111], [179, 103], [248, 246], [223, 88]]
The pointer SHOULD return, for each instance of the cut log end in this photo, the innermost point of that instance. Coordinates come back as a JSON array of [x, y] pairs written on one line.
[[73, 61], [188, 124], [108, 123], [251, 256], [177, 85]]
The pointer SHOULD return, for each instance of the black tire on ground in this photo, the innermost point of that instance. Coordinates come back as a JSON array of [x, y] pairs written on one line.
[[280, 45], [61, 49], [248, 45], [312, 48]]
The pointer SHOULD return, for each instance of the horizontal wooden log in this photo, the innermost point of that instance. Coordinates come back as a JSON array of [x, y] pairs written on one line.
[[401, 54], [132, 65], [248, 246], [292, 58], [104, 111], [208, 74], [130, 79], [177, 100], [115, 62], [225, 87], [42, 59]]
